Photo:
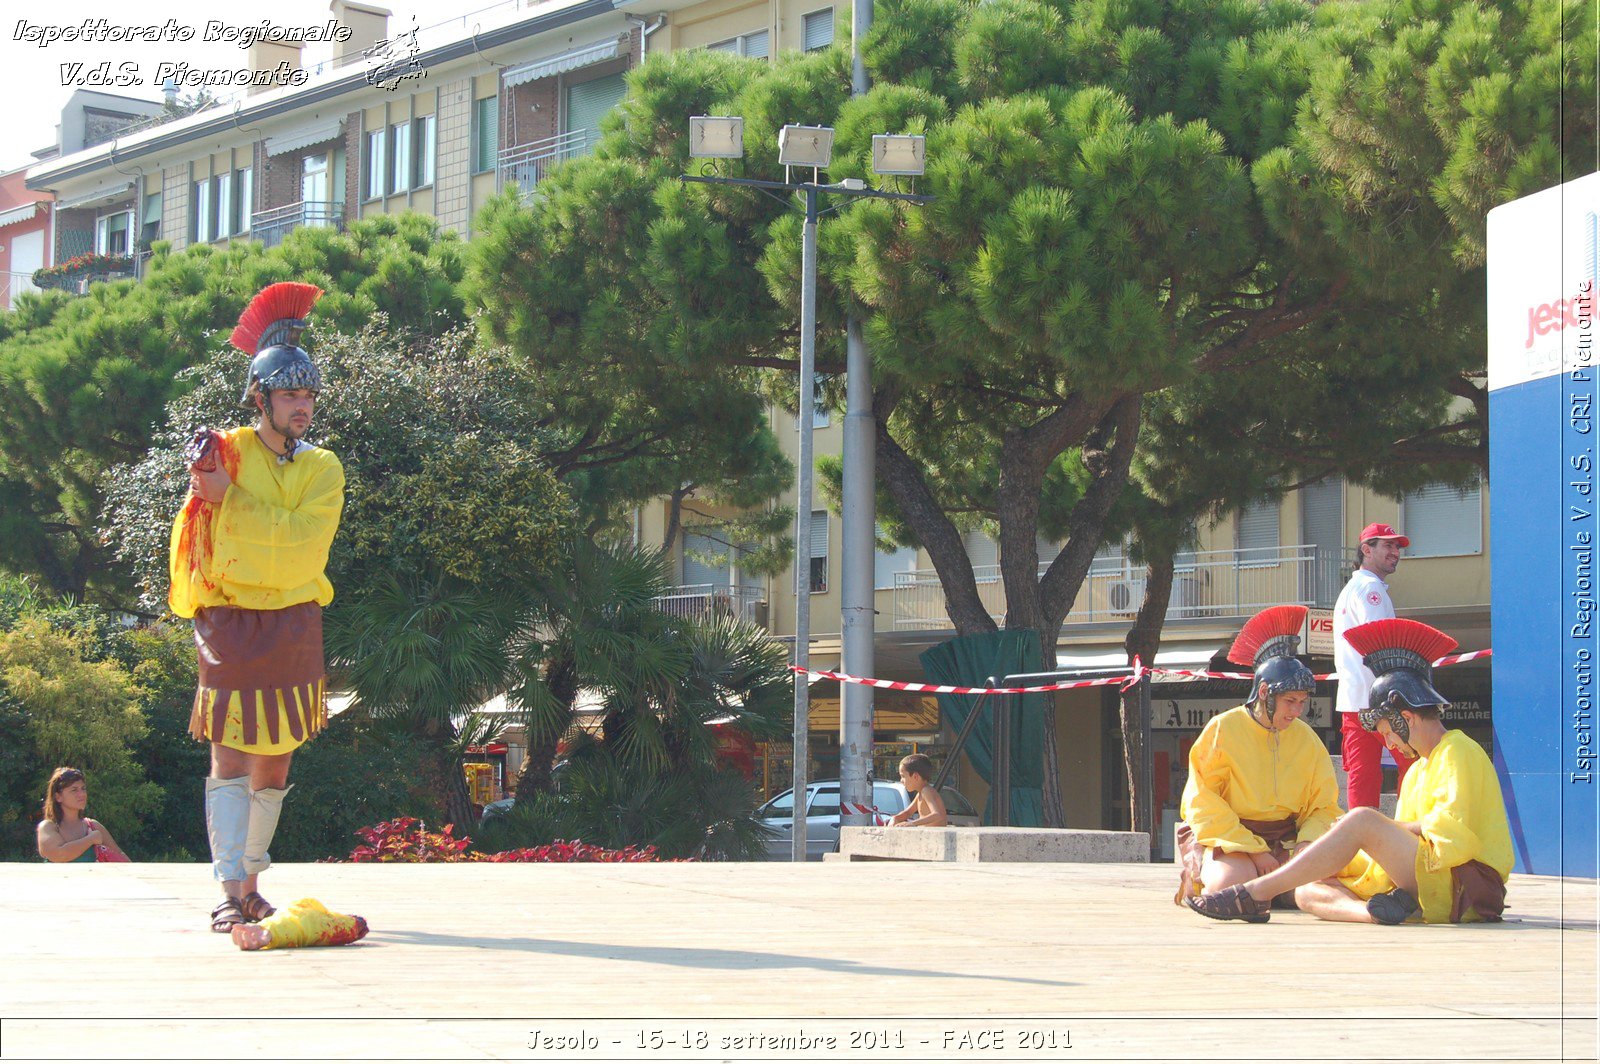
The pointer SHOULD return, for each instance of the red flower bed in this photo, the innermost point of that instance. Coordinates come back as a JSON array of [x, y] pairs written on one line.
[[407, 840]]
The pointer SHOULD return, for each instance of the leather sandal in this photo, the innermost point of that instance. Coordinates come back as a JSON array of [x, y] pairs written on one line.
[[1392, 907], [255, 908], [226, 916], [1232, 903]]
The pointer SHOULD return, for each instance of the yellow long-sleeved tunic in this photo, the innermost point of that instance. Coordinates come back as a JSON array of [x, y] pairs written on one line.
[[1240, 770], [249, 569], [1454, 795], [265, 546]]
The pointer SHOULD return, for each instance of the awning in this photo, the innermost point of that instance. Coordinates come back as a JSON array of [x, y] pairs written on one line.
[[20, 214], [588, 55], [304, 136], [1186, 655], [96, 199]]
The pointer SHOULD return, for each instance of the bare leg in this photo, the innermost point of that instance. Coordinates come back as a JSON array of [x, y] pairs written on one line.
[[1329, 899], [1221, 870], [1392, 846]]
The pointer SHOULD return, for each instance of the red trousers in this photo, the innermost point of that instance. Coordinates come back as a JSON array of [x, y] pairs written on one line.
[[1363, 762]]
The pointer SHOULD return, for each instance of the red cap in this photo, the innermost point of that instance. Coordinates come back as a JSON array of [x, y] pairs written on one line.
[[1382, 531]]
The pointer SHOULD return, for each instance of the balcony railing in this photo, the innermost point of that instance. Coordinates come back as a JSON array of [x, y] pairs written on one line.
[[16, 284], [525, 165], [1207, 584], [271, 226], [704, 601]]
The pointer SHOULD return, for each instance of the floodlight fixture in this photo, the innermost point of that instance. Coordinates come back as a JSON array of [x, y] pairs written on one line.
[[898, 154], [712, 137], [805, 146]]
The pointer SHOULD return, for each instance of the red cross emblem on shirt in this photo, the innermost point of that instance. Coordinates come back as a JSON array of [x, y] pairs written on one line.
[[1374, 598]]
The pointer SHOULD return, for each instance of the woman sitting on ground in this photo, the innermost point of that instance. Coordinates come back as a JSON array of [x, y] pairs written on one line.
[[65, 834]]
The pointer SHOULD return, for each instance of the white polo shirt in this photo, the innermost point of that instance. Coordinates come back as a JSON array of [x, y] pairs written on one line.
[[1365, 598]]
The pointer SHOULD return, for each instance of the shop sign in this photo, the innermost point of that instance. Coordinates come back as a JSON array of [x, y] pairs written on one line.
[[1192, 714]]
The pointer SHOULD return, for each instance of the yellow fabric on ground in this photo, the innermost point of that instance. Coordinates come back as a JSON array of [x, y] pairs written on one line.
[[309, 923], [1239, 770], [270, 535], [1454, 794]]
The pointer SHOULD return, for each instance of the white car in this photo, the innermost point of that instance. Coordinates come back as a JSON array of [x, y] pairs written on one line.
[[822, 815]]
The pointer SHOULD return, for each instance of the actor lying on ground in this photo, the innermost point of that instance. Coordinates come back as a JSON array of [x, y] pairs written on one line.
[[1448, 851], [1261, 783], [305, 923]]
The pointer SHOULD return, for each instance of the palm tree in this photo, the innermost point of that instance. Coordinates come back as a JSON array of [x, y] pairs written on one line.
[[428, 651]]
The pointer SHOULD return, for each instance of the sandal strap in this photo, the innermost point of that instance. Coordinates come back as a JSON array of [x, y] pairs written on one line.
[[226, 915], [255, 908]]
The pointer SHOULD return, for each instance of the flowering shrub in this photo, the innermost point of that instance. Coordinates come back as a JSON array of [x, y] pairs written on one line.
[[407, 840], [79, 265]]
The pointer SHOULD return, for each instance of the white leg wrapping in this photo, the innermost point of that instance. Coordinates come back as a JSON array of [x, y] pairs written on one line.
[[227, 821], [265, 805]]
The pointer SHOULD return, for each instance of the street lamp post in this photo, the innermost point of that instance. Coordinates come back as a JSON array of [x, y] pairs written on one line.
[[803, 146]]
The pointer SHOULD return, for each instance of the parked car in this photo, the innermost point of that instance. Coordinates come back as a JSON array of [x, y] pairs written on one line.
[[822, 815]]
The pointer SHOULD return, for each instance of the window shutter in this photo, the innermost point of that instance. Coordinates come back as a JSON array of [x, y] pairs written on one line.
[[488, 134], [981, 549], [1322, 514], [755, 45], [817, 30], [1257, 536], [588, 102], [819, 533], [1441, 521], [696, 570]]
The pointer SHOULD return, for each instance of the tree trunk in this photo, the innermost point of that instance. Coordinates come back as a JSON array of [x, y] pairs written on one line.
[[450, 780], [1142, 641], [674, 517], [561, 677]]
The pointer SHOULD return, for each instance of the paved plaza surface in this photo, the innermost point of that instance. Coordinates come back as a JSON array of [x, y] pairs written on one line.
[[865, 961]]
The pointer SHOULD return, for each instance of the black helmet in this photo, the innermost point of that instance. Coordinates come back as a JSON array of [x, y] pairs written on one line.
[[1268, 643], [1401, 654], [270, 329]]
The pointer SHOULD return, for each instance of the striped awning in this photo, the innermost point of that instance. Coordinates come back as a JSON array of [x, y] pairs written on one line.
[[304, 136], [96, 199], [21, 214], [572, 59]]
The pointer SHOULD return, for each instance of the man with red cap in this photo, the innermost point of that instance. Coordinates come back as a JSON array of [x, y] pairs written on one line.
[[1364, 599]]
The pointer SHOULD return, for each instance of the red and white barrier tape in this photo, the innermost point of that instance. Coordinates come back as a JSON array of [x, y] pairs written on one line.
[[1132, 679], [946, 689], [879, 817]]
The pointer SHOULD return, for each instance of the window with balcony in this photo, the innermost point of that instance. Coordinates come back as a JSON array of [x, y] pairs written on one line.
[[816, 30], [750, 45], [1443, 521], [587, 103], [485, 134], [819, 551], [984, 554], [112, 233], [151, 218], [422, 140]]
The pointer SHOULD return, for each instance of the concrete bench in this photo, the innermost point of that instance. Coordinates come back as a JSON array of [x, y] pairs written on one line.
[[991, 844]]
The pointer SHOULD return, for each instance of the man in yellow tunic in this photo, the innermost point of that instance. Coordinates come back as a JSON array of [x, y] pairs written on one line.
[[1447, 853], [248, 558], [1261, 784]]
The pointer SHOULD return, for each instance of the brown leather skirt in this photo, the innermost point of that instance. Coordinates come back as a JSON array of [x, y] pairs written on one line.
[[261, 677], [1192, 855]]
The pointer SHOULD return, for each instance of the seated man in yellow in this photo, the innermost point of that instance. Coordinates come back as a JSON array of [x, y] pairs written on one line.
[[1261, 783], [1449, 849], [248, 563]]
